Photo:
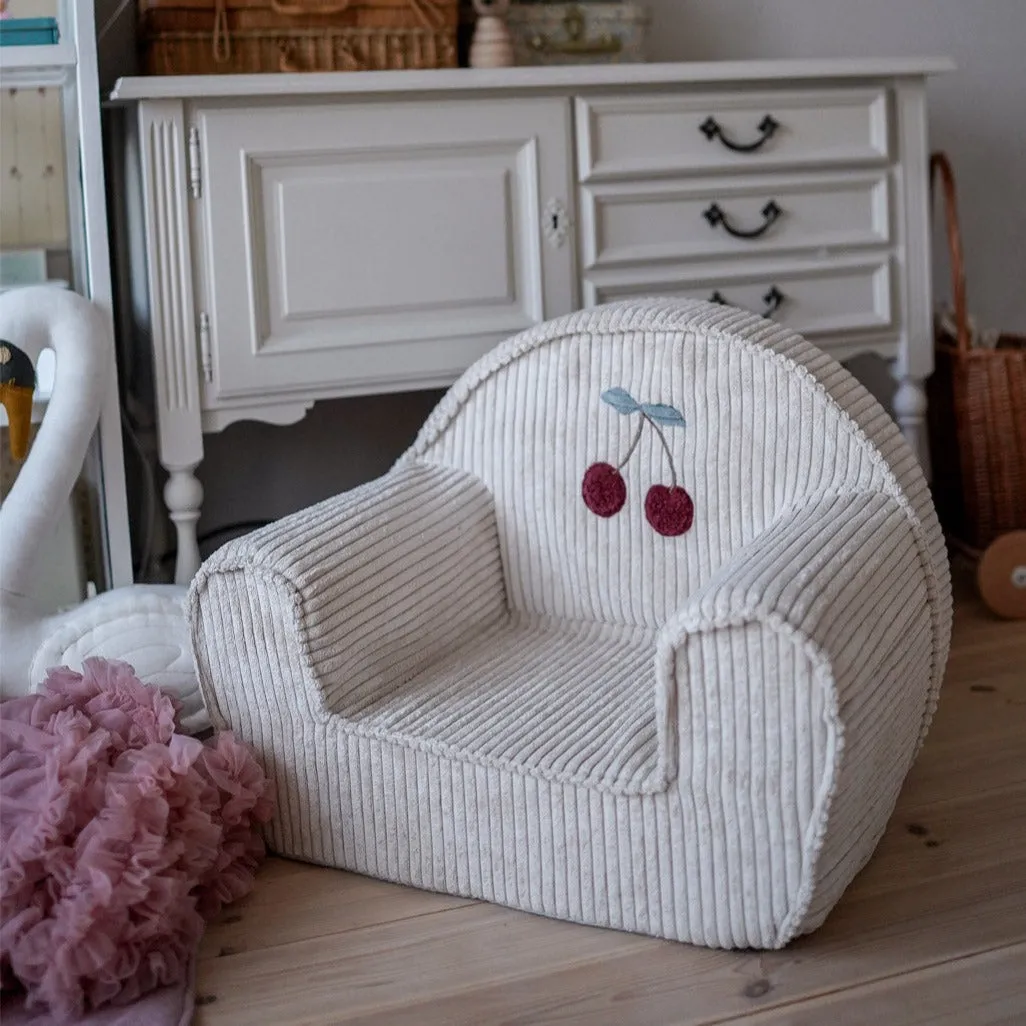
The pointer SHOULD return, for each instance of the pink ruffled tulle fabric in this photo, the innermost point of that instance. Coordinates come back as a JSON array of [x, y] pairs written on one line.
[[119, 836]]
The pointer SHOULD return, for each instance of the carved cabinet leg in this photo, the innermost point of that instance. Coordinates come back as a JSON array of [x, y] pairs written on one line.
[[163, 132], [910, 413], [183, 494]]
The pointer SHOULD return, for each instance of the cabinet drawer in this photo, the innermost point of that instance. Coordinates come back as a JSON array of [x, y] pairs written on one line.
[[358, 245], [626, 223], [630, 135], [815, 300]]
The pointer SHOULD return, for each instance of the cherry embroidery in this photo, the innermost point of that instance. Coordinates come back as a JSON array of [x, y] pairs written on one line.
[[603, 489], [669, 510]]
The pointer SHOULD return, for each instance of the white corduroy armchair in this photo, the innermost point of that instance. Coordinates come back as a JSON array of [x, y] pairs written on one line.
[[644, 631]]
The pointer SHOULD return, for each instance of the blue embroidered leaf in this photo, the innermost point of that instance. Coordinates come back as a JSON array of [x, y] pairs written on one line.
[[663, 414], [621, 400]]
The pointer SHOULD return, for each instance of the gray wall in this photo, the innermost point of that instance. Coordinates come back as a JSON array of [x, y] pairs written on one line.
[[978, 114]]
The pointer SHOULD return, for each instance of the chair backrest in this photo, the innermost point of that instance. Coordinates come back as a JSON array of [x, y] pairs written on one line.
[[769, 422]]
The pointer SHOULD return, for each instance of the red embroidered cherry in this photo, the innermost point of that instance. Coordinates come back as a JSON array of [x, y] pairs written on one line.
[[603, 489], [670, 511]]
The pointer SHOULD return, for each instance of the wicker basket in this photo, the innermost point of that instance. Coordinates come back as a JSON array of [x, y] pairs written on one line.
[[206, 37], [977, 412]]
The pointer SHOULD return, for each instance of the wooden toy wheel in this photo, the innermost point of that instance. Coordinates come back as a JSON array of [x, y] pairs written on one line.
[[1001, 575]]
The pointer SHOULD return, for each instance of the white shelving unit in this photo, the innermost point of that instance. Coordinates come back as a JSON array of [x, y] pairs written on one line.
[[26, 66], [71, 65]]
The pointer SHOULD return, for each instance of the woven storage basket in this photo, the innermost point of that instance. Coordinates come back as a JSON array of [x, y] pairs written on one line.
[[977, 411], [206, 37]]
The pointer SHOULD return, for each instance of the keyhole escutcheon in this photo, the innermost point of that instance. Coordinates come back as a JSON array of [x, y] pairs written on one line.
[[555, 222]]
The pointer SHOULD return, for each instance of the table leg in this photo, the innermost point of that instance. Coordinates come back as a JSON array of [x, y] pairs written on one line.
[[910, 413], [183, 495]]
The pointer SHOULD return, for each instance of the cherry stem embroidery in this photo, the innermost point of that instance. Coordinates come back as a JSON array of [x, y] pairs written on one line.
[[666, 448], [633, 446], [662, 439]]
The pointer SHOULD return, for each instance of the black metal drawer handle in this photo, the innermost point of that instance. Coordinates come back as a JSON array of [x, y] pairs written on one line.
[[773, 299], [711, 129], [715, 216]]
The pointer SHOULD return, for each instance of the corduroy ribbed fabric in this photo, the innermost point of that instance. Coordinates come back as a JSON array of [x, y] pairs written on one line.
[[462, 679]]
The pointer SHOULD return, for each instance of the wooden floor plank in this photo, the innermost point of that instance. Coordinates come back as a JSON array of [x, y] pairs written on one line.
[[359, 971], [293, 902], [993, 760], [988, 989], [945, 839], [973, 701], [505, 964], [931, 932]]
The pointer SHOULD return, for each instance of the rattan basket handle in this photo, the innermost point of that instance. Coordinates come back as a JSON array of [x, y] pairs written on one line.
[[308, 7], [427, 11], [940, 167]]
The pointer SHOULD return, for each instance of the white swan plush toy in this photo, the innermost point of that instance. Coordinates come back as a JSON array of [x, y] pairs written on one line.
[[143, 625]]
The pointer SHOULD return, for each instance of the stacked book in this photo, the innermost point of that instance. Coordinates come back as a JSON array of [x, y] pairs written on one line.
[[28, 31]]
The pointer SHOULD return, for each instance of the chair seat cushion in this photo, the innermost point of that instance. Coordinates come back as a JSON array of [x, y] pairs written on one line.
[[560, 700]]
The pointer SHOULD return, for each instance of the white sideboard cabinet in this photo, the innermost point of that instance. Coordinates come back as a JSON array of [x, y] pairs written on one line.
[[315, 236]]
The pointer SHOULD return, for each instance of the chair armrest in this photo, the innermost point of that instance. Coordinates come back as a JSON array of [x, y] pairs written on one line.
[[796, 687], [323, 609], [843, 580]]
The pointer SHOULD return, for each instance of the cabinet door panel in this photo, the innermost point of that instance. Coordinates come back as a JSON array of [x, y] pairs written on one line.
[[370, 244]]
